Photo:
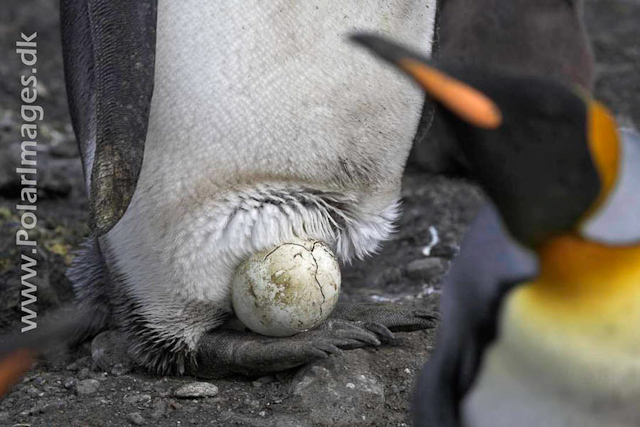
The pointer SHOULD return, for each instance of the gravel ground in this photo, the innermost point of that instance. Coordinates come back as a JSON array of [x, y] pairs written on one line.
[[368, 387]]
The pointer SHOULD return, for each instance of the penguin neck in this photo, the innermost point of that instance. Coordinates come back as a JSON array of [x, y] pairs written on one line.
[[573, 265], [571, 335], [616, 220]]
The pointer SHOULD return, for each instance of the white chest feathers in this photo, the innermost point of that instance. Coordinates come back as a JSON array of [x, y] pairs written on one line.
[[254, 90]]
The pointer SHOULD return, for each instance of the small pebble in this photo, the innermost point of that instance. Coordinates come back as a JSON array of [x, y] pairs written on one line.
[[194, 390], [51, 389], [444, 251], [31, 411], [135, 418], [251, 403], [84, 374], [263, 380], [85, 387], [8, 402], [54, 406], [119, 370], [158, 409], [427, 268], [137, 399], [33, 392]]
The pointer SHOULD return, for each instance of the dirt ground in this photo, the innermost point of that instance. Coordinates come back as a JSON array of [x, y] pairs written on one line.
[[368, 387]]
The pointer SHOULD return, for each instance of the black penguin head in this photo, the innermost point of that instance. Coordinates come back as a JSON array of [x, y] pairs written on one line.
[[544, 153]]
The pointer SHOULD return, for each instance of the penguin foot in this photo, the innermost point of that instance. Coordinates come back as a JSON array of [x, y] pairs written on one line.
[[221, 353], [385, 318]]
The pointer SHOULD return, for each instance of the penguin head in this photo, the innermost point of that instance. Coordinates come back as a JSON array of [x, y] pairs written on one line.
[[546, 154]]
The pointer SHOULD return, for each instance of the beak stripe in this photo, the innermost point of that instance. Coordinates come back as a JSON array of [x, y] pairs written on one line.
[[468, 103]]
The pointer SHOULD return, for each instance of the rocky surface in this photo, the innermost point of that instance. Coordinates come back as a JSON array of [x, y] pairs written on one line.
[[340, 391], [94, 386]]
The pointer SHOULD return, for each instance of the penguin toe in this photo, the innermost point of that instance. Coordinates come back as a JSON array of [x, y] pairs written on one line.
[[384, 334], [347, 334], [393, 317]]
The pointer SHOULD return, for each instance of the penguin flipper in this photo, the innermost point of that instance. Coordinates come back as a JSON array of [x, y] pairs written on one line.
[[489, 265], [109, 57]]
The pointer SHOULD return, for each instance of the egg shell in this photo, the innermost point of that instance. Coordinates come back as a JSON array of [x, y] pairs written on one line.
[[287, 289]]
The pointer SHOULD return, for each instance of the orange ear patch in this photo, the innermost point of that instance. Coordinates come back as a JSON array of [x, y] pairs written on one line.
[[466, 102], [13, 367], [604, 144]]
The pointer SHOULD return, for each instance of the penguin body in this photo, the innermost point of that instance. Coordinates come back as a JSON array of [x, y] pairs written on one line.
[[545, 38], [540, 309], [568, 353], [210, 132]]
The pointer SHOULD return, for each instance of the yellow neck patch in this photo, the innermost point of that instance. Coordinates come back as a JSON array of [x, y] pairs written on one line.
[[573, 268], [577, 324], [582, 282], [582, 287]]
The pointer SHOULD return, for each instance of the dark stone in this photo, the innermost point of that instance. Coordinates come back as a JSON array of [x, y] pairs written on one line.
[[109, 349]]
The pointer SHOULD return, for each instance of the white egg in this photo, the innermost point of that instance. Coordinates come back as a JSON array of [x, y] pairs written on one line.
[[287, 289]]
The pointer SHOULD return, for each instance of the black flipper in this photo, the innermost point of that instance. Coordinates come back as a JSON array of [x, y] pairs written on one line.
[[109, 58], [490, 264]]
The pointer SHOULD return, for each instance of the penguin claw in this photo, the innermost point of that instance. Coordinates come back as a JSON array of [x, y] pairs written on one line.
[[329, 349], [385, 335], [427, 315], [395, 318], [349, 331]]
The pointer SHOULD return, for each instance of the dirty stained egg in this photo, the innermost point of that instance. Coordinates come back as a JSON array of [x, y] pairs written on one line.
[[287, 289]]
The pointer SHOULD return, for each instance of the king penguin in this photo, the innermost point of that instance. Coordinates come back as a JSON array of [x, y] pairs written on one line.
[[542, 306], [212, 131]]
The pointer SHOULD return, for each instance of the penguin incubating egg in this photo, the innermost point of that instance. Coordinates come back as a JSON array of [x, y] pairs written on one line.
[[212, 131], [541, 309]]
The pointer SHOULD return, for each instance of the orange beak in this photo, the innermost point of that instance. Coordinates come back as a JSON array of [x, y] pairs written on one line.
[[13, 367], [463, 100]]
